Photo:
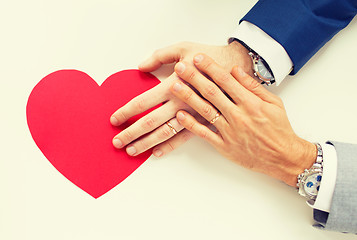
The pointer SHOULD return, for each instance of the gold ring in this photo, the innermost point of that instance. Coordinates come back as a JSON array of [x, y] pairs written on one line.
[[218, 114], [173, 130]]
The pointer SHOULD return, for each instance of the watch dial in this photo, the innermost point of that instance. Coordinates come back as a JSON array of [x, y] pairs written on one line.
[[263, 70], [312, 184]]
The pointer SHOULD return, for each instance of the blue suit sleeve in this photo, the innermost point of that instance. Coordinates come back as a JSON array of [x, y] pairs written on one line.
[[302, 27]]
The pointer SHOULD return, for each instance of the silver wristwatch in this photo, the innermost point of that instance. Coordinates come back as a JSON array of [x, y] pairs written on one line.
[[309, 181], [260, 67]]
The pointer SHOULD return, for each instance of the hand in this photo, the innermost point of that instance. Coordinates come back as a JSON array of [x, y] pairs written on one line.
[[252, 126], [151, 129]]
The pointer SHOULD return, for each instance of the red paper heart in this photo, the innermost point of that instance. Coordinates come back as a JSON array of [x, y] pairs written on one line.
[[68, 117]]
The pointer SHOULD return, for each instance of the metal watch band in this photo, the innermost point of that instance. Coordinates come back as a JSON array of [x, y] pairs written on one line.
[[317, 169]]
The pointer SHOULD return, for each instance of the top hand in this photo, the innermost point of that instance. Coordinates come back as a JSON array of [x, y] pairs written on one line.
[[151, 129], [253, 128]]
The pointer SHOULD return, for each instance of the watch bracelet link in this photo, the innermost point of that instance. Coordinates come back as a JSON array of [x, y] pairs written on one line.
[[317, 167]]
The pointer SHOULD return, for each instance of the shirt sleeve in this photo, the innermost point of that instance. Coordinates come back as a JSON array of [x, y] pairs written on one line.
[[302, 27], [328, 181], [269, 49]]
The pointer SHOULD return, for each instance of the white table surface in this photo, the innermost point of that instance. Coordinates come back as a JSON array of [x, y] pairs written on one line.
[[192, 193]]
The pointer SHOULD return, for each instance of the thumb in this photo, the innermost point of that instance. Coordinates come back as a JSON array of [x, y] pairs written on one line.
[[253, 86], [162, 56]]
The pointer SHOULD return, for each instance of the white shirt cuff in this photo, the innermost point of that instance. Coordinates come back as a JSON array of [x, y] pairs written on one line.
[[328, 180], [269, 49]]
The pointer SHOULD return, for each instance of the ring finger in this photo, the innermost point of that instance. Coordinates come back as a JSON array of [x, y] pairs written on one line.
[[203, 107], [145, 125], [159, 135]]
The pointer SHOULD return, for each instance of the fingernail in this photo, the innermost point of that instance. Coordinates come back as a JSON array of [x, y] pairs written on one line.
[[114, 121], [117, 143], [180, 68], [131, 150], [158, 153], [181, 116], [241, 72], [177, 87], [198, 58]]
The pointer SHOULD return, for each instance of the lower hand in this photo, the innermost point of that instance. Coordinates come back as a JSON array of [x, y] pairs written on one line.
[[151, 130], [252, 126]]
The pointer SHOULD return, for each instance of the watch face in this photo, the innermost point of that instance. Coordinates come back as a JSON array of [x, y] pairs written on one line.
[[312, 184], [263, 71]]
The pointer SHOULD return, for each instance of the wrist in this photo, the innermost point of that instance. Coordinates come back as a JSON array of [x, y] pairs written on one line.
[[239, 56], [302, 155]]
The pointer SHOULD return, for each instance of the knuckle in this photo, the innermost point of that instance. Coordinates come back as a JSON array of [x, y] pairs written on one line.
[[191, 126], [170, 146], [224, 77], [235, 114], [210, 91], [165, 133], [253, 84], [207, 110], [148, 123], [191, 76], [207, 63], [142, 145], [181, 105], [188, 96], [181, 48], [121, 115], [127, 136], [178, 104], [202, 133], [140, 104]]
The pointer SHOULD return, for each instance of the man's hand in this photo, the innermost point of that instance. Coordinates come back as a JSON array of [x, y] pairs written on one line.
[[151, 130], [252, 126]]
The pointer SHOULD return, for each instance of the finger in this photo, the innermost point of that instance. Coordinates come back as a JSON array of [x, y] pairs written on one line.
[[221, 77], [139, 104], [177, 140], [173, 143], [144, 125], [207, 88], [191, 124], [162, 56], [203, 107], [254, 86], [159, 135]]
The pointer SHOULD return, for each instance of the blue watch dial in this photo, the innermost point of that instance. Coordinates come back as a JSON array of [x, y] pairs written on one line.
[[312, 184]]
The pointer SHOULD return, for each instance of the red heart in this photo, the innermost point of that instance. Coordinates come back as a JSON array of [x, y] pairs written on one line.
[[68, 117]]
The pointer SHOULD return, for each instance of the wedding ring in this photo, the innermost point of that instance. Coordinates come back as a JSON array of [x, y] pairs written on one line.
[[173, 130], [218, 114]]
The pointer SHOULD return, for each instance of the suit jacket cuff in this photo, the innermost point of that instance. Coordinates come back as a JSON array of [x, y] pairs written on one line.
[[269, 49], [301, 27]]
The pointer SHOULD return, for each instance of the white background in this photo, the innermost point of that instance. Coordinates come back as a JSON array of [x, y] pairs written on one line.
[[192, 193]]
